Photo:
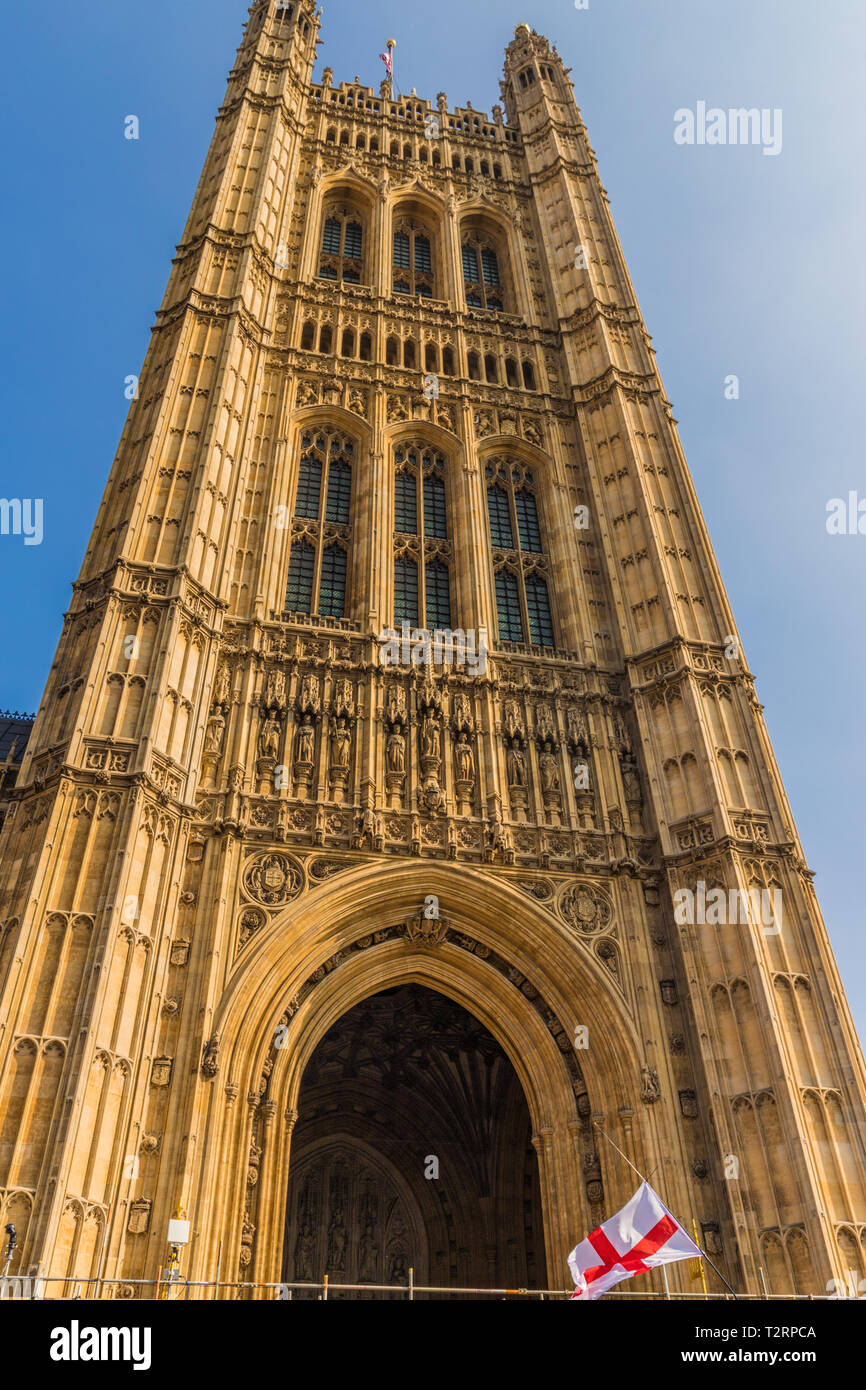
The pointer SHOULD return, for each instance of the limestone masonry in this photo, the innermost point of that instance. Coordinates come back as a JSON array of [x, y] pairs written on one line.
[[343, 950]]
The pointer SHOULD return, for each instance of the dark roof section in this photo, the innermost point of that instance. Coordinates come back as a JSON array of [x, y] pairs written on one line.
[[15, 730]]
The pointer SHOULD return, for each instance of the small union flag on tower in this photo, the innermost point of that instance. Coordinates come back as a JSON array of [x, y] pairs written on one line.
[[386, 59], [636, 1240]]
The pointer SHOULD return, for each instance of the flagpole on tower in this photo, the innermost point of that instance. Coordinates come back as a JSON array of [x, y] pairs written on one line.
[[391, 46], [646, 1180]]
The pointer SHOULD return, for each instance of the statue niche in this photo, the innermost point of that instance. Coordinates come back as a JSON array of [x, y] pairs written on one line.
[[515, 766]]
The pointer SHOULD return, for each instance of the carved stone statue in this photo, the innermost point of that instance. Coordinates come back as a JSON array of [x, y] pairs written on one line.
[[464, 759], [549, 769], [306, 742], [631, 780], [269, 739], [396, 752], [498, 835], [368, 1255], [215, 729], [304, 1254], [341, 741], [222, 694], [431, 739], [516, 766], [337, 1241]]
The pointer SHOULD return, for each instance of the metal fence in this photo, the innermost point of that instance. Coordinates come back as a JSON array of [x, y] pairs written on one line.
[[47, 1287]]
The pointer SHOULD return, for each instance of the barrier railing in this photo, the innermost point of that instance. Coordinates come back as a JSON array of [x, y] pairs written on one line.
[[60, 1287]]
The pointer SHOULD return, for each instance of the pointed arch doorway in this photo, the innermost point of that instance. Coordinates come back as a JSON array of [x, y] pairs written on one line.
[[413, 1148]]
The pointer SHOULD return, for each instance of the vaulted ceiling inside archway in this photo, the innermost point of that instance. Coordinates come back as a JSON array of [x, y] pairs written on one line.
[[409, 1097]]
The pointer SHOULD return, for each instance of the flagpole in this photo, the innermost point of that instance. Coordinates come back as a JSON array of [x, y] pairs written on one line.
[[391, 46], [703, 1276], [646, 1180]]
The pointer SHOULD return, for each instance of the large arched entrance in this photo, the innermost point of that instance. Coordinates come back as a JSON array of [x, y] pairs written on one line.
[[413, 1149], [517, 973]]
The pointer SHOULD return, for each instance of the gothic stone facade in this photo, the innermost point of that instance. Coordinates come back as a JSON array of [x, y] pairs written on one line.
[[382, 386]]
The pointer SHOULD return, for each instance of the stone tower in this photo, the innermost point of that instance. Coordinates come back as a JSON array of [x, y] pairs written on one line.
[[348, 944]]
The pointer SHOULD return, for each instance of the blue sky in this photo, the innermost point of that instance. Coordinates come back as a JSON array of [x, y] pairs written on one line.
[[743, 265]]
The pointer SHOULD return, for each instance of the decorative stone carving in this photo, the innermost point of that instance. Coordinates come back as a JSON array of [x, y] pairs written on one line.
[[551, 782], [275, 689], [712, 1238], [210, 1058], [305, 745], [222, 687], [273, 879], [160, 1074], [431, 742], [498, 842], [650, 1089], [463, 718], [585, 908], [464, 769], [536, 888], [324, 868], [512, 720], [516, 764], [341, 754], [216, 726], [576, 726], [689, 1104], [179, 952], [395, 753], [309, 697], [343, 702], [423, 932], [269, 740], [139, 1217]]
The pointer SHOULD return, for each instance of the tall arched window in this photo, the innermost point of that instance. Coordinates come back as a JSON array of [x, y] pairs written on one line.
[[342, 254], [302, 566], [482, 272], [422, 575], [413, 259], [318, 564], [520, 566]]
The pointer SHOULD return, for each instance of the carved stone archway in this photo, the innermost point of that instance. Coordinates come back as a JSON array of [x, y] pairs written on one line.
[[498, 954]]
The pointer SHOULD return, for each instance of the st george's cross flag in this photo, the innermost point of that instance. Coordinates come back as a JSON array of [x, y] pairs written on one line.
[[636, 1240]]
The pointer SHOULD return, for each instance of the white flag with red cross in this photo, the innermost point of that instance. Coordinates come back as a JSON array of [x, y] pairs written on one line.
[[641, 1236]]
